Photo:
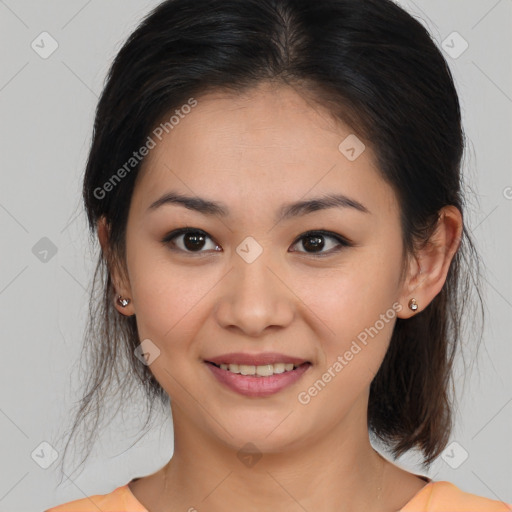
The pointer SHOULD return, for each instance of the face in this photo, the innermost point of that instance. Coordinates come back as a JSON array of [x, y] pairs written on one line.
[[319, 285]]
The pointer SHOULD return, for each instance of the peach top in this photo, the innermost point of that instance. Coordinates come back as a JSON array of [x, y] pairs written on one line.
[[439, 496]]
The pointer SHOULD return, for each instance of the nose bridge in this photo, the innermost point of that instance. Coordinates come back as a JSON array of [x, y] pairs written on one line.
[[254, 297], [254, 283], [254, 278]]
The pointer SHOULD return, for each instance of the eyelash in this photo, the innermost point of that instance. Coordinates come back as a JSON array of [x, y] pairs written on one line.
[[342, 241]]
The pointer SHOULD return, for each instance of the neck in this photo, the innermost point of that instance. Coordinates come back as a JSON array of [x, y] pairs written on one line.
[[337, 470]]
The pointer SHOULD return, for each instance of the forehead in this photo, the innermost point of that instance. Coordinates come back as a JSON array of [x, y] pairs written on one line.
[[268, 144]]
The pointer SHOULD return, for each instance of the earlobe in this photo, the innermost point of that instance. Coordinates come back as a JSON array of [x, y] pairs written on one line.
[[410, 301], [427, 274], [122, 302], [124, 305]]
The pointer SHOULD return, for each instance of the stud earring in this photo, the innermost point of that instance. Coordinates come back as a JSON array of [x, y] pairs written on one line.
[[413, 305], [122, 302]]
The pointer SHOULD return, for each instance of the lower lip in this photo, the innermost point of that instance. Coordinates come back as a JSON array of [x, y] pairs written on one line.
[[249, 385]]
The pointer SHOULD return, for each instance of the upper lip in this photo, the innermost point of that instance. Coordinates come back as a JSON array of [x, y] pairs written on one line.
[[255, 359]]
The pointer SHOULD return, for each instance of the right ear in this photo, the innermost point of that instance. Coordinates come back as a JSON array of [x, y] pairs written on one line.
[[103, 234], [121, 288]]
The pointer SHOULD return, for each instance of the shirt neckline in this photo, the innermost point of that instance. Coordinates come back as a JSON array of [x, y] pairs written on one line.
[[416, 500], [419, 498]]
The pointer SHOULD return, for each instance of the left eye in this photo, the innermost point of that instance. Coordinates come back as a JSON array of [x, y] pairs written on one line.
[[193, 241], [315, 240]]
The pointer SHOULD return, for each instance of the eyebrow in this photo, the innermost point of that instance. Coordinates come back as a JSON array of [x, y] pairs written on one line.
[[287, 211]]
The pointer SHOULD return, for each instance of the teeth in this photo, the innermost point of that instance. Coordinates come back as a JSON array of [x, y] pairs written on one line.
[[261, 371]]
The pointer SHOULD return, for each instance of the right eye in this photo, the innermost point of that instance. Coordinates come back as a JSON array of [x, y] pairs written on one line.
[[188, 240]]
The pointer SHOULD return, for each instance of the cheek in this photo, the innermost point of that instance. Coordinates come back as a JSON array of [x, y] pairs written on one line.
[[167, 297], [359, 311], [357, 305]]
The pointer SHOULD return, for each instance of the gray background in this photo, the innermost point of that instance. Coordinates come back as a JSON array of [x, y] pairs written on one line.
[[47, 107]]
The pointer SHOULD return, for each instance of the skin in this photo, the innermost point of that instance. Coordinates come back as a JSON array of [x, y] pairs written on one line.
[[255, 152]]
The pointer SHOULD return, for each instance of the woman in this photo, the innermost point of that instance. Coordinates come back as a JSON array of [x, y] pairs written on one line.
[[276, 189]]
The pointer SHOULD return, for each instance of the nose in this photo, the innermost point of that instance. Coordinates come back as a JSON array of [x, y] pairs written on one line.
[[255, 298]]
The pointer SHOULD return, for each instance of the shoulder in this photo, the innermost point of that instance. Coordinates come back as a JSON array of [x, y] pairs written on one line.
[[119, 500], [444, 496]]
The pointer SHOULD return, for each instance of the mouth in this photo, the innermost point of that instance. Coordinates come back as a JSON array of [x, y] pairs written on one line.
[[257, 381]]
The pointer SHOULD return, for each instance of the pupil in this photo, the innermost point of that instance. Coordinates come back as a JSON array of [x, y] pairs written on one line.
[[193, 238], [317, 243]]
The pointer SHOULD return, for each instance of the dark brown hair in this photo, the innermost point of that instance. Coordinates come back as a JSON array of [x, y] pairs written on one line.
[[375, 68]]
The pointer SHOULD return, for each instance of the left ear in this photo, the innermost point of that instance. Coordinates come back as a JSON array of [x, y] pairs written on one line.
[[429, 266]]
